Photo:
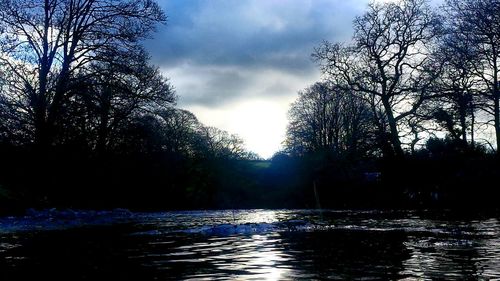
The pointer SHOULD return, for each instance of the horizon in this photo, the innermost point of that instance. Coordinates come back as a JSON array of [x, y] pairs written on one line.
[[258, 62], [227, 59]]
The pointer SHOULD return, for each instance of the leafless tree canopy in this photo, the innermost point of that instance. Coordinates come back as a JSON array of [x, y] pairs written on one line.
[[421, 71], [48, 48], [325, 118]]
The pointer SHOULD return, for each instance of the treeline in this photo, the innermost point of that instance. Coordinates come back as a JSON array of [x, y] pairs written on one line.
[[410, 73], [410, 103], [407, 115], [87, 121]]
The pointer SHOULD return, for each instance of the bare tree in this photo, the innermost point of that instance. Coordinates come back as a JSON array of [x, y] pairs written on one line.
[[477, 23], [180, 130], [117, 92], [387, 63], [178, 133], [221, 144], [327, 118], [457, 95], [45, 44]]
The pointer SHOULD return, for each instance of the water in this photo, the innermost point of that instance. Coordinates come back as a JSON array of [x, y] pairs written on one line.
[[249, 245]]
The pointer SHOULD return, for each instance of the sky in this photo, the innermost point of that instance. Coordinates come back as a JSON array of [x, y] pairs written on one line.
[[238, 64]]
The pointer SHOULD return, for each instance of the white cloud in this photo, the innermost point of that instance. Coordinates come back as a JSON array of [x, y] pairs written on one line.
[[257, 108], [237, 65], [260, 122]]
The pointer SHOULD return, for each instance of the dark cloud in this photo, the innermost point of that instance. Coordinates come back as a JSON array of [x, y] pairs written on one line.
[[219, 86], [215, 51], [231, 58], [258, 33]]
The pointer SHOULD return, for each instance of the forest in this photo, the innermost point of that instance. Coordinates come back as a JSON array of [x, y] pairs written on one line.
[[406, 115]]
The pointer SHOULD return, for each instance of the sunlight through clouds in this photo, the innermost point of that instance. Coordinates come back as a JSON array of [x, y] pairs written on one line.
[[237, 65], [260, 122], [251, 104]]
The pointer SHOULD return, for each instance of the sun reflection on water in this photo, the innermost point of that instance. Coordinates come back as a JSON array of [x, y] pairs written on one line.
[[264, 216], [265, 260], [259, 245], [257, 256]]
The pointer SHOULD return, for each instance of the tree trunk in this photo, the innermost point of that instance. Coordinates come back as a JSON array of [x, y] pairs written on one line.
[[472, 123], [102, 134], [41, 129], [394, 133], [496, 98], [463, 122], [42, 135], [497, 122], [40, 105]]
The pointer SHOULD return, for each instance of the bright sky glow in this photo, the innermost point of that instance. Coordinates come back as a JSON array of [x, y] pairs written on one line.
[[260, 118], [237, 65], [260, 122]]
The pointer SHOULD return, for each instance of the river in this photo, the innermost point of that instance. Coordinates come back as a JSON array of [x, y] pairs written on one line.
[[249, 245]]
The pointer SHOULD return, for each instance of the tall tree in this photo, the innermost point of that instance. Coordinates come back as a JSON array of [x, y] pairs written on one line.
[[457, 86], [387, 62], [118, 91], [477, 22], [221, 144], [329, 119], [45, 44], [180, 131]]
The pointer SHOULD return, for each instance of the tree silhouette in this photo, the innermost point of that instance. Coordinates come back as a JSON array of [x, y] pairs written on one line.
[[47, 46], [325, 117], [456, 88], [116, 93], [476, 25], [387, 63]]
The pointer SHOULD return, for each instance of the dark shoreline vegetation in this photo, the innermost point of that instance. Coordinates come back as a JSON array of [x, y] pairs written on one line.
[[407, 115], [459, 183]]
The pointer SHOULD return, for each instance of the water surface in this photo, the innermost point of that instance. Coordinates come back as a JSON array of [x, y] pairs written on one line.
[[249, 245]]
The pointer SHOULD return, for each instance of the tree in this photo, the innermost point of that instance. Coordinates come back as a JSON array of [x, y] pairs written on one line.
[[118, 91], [387, 63], [221, 144], [47, 46], [477, 24], [456, 86], [180, 131], [328, 119]]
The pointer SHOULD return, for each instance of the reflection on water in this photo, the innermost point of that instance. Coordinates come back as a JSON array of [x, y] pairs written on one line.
[[472, 251], [249, 245]]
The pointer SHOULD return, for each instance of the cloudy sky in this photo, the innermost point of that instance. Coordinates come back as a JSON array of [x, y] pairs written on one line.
[[238, 64]]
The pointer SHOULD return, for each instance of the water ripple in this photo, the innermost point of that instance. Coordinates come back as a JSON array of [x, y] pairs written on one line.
[[251, 245]]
